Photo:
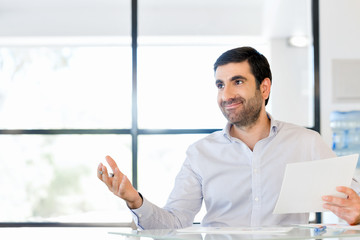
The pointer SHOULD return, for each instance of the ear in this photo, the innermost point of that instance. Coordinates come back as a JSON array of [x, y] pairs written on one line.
[[265, 88]]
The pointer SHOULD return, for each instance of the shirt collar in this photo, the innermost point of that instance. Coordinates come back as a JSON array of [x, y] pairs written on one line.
[[274, 126]]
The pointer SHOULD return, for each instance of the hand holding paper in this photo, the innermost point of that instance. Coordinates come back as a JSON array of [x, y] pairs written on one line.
[[305, 183], [348, 208]]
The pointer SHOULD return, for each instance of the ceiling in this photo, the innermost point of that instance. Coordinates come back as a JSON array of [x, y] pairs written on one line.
[[269, 18]]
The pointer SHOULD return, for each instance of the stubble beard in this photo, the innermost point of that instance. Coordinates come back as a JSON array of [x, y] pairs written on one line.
[[248, 115]]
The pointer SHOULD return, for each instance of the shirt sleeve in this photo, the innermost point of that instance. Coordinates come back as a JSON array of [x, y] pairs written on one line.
[[321, 149], [150, 216], [183, 204], [324, 151]]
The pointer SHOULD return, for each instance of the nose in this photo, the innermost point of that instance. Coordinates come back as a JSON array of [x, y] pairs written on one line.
[[227, 93]]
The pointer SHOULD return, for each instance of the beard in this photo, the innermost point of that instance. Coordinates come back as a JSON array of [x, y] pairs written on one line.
[[248, 114]]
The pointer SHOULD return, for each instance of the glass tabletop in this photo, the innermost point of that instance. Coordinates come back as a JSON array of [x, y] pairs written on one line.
[[261, 233]]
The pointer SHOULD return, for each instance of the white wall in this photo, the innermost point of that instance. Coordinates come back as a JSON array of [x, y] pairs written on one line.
[[20, 18], [292, 83], [112, 17], [339, 39]]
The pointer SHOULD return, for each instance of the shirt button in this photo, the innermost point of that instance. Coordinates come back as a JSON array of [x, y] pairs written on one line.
[[256, 199], [255, 170]]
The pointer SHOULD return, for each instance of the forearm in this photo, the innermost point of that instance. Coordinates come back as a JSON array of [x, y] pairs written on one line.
[[150, 216], [183, 204]]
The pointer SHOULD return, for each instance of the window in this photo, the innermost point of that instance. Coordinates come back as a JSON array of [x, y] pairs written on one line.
[[71, 94], [65, 87]]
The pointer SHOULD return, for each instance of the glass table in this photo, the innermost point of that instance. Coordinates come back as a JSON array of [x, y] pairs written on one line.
[[264, 233]]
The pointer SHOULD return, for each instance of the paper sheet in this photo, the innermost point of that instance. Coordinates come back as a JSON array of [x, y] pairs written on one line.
[[305, 183]]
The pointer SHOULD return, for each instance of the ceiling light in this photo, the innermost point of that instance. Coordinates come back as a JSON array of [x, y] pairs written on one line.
[[298, 41]]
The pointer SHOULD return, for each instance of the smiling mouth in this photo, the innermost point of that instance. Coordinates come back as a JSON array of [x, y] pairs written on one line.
[[232, 105]]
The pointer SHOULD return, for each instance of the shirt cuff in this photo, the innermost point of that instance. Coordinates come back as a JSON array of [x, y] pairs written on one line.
[[145, 211]]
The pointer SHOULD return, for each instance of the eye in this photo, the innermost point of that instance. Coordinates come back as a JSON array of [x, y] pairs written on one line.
[[220, 85], [238, 82]]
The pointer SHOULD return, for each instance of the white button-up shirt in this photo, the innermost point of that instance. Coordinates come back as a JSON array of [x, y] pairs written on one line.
[[239, 187]]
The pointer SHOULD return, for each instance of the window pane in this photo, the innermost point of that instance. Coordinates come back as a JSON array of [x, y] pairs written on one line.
[[178, 92], [65, 87], [160, 163], [176, 54], [53, 178]]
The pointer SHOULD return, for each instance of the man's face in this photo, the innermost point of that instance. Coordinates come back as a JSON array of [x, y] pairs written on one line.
[[238, 97]]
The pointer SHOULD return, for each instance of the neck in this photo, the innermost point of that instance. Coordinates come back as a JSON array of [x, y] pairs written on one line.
[[251, 134]]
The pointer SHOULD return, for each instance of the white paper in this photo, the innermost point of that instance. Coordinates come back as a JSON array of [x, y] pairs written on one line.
[[305, 183], [235, 230]]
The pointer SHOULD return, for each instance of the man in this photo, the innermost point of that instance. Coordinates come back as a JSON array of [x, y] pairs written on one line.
[[238, 171]]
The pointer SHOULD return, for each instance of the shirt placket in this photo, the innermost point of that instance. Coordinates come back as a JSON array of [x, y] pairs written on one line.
[[256, 191]]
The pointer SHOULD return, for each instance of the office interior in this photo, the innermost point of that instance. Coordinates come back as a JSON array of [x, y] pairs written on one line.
[[70, 94]]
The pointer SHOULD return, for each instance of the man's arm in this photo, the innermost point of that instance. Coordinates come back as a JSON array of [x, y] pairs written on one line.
[[183, 204]]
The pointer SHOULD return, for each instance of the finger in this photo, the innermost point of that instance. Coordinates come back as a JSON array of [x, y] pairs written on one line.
[[116, 181], [113, 165], [347, 214], [118, 173], [347, 191], [99, 171], [341, 212], [120, 185], [337, 201], [327, 198], [105, 177], [111, 162]]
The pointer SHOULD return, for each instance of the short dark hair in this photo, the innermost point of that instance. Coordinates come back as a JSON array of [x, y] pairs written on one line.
[[259, 65]]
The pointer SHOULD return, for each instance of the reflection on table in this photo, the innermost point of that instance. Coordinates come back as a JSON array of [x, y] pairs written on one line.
[[264, 233]]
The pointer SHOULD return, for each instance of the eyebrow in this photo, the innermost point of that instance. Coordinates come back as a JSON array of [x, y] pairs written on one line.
[[237, 77], [234, 78], [218, 81]]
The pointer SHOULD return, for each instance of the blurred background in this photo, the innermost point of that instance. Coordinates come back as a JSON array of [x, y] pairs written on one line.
[[74, 87]]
